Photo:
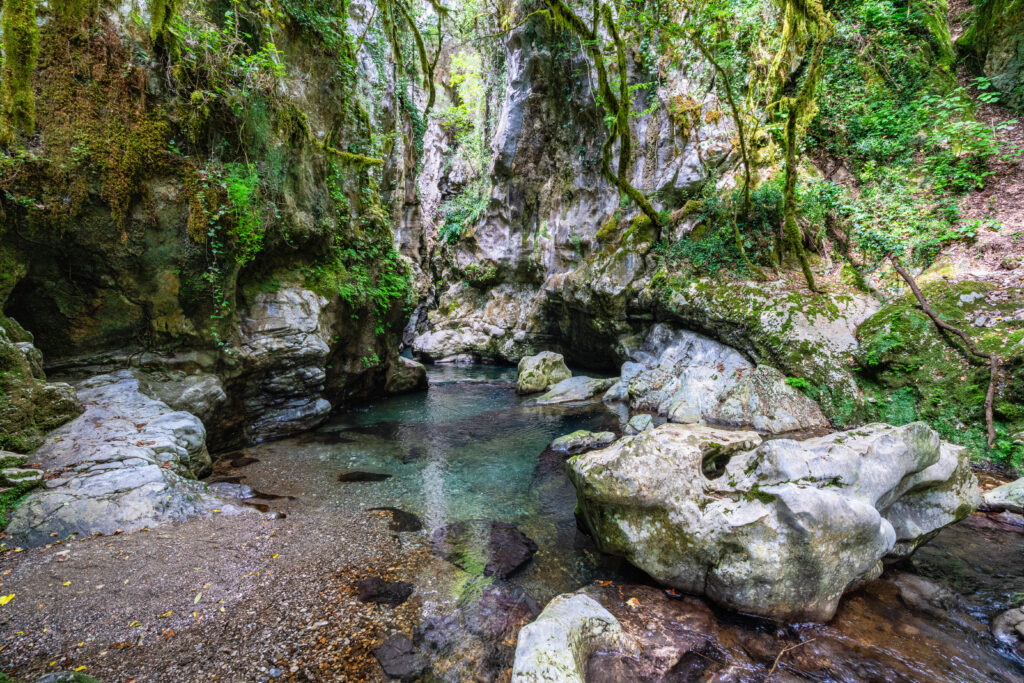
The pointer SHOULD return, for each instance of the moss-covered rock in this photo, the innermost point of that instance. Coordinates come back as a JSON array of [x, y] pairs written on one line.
[[995, 43], [29, 405], [911, 372], [812, 337]]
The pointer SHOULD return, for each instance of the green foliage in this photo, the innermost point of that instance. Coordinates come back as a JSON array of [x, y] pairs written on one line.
[[464, 209], [910, 373], [711, 246], [903, 127], [20, 52], [242, 184], [225, 62], [161, 13]]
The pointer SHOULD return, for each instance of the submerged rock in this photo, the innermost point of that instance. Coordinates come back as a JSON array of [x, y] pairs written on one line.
[[500, 611], [581, 441], [358, 476], [128, 462], [691, 379], [1009, 496], [781, 529], [572, 389], [484, 547], [381, 592], [537, 373], [400, 659], [557, 645], [400, 519]]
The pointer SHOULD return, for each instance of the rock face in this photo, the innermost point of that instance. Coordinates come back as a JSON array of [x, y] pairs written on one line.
[[29, 405], [779, 529], [690, 378], [537, 373], [285, 343], [556, 646], [159, 268], [996, 41], [127, 462]]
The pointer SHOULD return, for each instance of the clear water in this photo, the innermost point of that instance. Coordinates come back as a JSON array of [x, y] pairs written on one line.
[[468, 448]]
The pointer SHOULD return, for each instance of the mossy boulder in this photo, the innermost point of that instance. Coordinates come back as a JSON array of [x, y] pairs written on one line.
[[29, 405], [807, 336], [538, 373], [910, 371]]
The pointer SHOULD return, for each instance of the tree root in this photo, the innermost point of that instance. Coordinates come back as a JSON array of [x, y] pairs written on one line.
[[993, 359]]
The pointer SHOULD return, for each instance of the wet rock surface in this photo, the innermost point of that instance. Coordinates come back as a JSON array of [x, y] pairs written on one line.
[[572, 390], [400, 659], [780, 529], [582, 441], [874, 636], [127, 462], [496, 549]]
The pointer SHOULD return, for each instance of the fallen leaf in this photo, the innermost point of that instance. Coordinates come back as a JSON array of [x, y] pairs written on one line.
[[166, 614], [198, 596], [4, 599]]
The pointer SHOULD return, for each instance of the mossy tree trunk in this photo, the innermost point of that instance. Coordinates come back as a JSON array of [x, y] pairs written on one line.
[[805, 30]]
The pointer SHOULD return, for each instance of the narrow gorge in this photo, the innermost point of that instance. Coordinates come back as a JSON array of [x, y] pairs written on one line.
[[511, 340]]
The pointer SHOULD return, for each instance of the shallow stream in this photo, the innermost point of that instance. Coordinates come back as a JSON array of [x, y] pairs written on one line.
[[468, 448]]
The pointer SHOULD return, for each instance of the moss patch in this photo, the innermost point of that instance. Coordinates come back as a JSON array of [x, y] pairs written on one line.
[[910, 372]]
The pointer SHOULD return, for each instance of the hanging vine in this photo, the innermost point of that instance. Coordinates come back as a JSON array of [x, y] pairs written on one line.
[[617, 107]]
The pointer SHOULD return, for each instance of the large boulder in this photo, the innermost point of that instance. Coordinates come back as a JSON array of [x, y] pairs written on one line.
[[781, 528], [556, 646], [537, 373], [690, 378], [285, 345], [405, 375], [127, 462]]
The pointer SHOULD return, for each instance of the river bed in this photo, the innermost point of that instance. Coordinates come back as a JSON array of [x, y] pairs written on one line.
[[273, 593]]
